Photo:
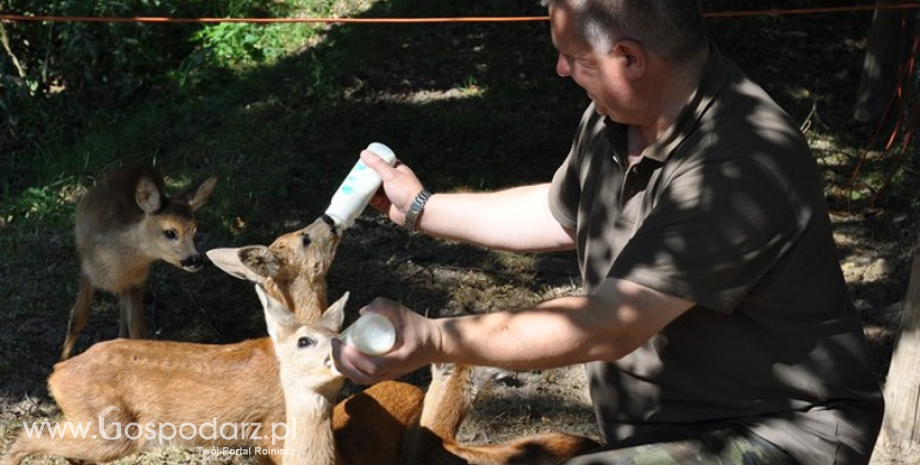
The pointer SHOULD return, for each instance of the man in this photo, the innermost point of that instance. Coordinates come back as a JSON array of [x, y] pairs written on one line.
[[715, 326]]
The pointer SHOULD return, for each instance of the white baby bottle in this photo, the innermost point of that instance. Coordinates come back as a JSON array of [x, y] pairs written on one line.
[[372, 334], [357, 189]]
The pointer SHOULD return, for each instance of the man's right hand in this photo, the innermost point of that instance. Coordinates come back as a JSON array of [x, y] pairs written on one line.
[[400, 186], [417, 345]]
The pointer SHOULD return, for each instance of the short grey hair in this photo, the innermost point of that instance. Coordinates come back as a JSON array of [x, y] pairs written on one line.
[[670, 29]]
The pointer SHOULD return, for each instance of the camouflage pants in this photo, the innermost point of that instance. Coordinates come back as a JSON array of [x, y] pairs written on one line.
[[725, 445]]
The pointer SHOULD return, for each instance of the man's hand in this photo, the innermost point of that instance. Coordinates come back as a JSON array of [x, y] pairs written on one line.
[[400, 186], [416, 346]]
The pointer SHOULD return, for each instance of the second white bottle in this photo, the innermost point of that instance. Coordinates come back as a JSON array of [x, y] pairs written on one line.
[[372, 334]]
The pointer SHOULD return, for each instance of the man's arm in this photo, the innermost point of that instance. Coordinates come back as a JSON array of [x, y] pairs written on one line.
[[517, 219], [605, 326]]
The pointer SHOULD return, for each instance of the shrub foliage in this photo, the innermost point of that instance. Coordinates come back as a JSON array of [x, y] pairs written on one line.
[[52, 74]]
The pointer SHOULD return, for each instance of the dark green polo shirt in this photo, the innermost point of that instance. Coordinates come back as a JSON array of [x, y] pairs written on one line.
[[726, 210]]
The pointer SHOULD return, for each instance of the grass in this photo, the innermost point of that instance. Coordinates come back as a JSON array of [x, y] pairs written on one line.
[[468, 106]]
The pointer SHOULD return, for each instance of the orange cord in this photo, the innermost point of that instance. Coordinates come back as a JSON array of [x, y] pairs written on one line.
[[805, 11], [93, 19], [909, 129], [897, 95], [724, 14]]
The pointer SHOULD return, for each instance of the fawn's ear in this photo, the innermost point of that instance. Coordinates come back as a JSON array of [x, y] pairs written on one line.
[[260, 260], [280, 321], [147, 195], [254, 263], [196, 196], [334, 316]]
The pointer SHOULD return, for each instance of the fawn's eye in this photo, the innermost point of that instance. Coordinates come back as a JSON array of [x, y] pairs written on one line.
[[307, 240], [305, 342], [171, 234]]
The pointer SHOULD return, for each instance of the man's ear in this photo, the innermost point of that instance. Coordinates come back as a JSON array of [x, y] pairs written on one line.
[[634, 57]]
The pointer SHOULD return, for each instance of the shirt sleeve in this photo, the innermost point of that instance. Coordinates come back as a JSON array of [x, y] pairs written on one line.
[[564, 193], [566, 188]]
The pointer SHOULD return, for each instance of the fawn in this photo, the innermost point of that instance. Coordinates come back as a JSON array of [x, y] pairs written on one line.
[[317, 435], [123, 225], [310, 382]]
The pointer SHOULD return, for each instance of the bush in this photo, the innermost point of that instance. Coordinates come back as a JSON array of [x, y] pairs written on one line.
[[57, 76]]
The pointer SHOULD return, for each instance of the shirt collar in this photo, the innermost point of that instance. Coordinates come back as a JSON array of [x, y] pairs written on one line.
[[715, 75]]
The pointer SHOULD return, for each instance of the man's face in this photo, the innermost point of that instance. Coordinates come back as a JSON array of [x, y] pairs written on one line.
[[599, 75]]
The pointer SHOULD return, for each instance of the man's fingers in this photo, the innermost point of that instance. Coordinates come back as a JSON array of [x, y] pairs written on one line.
[[353, 364], [376, 163]]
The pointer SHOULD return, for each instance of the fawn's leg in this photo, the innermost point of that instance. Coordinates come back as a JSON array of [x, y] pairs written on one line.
[[78, 315], [89, 447], [448, 402], [131, 303]]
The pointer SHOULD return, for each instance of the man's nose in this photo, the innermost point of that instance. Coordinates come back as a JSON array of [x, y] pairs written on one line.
[[562, 66]]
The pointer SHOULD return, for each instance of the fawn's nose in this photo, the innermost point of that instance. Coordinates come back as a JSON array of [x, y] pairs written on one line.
[[336, 231], [192, 263]]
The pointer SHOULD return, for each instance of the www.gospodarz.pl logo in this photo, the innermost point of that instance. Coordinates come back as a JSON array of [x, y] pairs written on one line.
[[161, 432]]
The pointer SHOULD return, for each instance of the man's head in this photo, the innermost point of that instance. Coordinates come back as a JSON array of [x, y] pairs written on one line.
[[671, 29], [622, 52]]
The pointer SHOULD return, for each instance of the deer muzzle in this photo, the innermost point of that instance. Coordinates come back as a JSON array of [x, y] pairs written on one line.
[[192, 263]]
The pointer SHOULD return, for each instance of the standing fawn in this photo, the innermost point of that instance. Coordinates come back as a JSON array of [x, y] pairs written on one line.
[[123, 225]]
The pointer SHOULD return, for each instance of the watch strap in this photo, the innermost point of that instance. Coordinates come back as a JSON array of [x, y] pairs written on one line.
[[418, 204]]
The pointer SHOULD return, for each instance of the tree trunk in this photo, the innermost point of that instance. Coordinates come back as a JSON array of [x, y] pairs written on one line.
[[881, 65], [901, 426]]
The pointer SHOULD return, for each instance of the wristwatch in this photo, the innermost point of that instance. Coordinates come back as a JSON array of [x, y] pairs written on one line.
[[416, 209]]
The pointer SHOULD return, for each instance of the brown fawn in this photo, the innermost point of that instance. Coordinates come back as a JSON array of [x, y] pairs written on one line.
[[123, 225], [162, 382], [311, 385]]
